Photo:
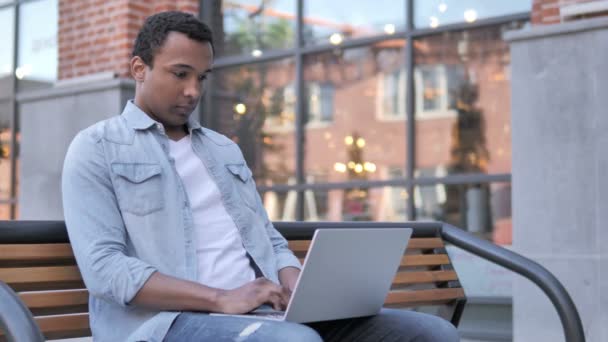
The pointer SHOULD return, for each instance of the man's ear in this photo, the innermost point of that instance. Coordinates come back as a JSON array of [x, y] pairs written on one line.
[[138, 69]]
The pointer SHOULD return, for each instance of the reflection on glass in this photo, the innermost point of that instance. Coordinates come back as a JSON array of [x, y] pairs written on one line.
[[282, 206], [462, 107], [253, 26], [435, 13], [38, 24], [482, 209], [375, 204], [5, 141], [254, 105], [7, 37], [5, 211], [331, 22], [354, 115]]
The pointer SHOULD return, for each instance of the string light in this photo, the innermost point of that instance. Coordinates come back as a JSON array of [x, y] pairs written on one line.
[[336, 39], [470, 15], [240, 108]]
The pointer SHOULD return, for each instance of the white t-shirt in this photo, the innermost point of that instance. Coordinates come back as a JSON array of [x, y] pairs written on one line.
[[222, 259]]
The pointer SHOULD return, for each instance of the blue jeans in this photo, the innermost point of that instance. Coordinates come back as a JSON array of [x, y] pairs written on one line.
[[388, 325]]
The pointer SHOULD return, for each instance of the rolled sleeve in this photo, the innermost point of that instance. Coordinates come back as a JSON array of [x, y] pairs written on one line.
[[287, 260], [94, 223], [284, 256]]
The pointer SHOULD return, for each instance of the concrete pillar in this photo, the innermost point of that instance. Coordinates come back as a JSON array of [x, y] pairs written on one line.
[[50, 119], [560, 172]]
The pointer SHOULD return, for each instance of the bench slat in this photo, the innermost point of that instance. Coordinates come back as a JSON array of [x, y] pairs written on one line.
[[415, 243], [52, 299], [420, 277], [425, 260], [434, 296], [64, 326], [425, 243], [15, 277], [299, 245], [36, 252]]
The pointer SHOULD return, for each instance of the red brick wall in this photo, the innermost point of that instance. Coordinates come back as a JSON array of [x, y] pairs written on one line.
[[547, 11], [97, 35]]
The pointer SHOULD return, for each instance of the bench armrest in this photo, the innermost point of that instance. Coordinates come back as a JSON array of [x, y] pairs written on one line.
[[545, 280], [16, 321]]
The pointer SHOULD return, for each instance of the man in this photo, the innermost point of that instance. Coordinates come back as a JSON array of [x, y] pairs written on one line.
[[166, 223]]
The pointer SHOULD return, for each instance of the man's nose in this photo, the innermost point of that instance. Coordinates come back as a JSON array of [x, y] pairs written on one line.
[[193, 89]]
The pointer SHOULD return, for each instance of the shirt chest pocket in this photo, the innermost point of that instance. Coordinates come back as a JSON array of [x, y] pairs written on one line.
[[138, 187], [242, 181]]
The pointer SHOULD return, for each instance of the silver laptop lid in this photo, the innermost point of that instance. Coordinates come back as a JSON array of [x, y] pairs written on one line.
[[347, 273]]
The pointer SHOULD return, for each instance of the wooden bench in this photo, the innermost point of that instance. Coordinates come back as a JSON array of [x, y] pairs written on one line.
[[36, 261]]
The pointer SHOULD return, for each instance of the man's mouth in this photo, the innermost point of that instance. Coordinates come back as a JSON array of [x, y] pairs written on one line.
[[184, 109]]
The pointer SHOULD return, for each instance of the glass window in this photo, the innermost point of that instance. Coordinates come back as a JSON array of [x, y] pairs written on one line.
[[463, 109], [435, 13], [392, 89], [6, 114], [354, 204], [397, 197], [282, 206], [349, 134], [5, 210], [357, 204], [7, 37], [253, 26], [38, 25], [482, 209], [254, 106], [320, 103], [331, 22]]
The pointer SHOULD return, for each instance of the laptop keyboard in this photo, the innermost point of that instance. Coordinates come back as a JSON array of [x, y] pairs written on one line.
[[268, 313]]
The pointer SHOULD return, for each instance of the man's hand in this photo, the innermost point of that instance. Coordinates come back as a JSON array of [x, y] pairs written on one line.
[[288, 277], [251, 295]]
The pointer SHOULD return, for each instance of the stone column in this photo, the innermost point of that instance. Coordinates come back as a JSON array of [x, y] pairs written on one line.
[[560, 172], [50, 119]]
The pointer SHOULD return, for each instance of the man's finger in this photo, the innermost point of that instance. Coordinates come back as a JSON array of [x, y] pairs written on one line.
[[276, 302]]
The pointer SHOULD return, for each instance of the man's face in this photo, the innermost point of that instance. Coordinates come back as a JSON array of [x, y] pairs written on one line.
[[171, 89]]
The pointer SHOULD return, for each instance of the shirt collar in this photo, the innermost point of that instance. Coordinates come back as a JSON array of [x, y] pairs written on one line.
[[137, 119]]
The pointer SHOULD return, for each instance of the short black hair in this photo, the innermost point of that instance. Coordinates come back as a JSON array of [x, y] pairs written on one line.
[[156, 28]]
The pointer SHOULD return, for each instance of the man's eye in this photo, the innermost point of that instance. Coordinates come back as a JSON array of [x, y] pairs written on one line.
[[201, 78], [180, 74]]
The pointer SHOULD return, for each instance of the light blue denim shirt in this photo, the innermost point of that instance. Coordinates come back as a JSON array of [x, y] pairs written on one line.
[[128, 215]]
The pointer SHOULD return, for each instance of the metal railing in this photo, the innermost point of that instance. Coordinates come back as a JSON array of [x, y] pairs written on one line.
[[548, 283], [16, 321]]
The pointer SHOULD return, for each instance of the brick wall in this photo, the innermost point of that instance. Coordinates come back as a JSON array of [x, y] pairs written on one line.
[[547, 11], [97, 35]]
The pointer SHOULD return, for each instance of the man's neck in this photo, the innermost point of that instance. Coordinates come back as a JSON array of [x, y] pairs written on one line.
[[176, 133]]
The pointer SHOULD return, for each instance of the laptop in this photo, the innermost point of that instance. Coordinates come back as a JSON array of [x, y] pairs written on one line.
[[347, 273]]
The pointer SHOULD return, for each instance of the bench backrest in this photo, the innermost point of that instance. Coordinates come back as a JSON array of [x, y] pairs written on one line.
[[47, 280]]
